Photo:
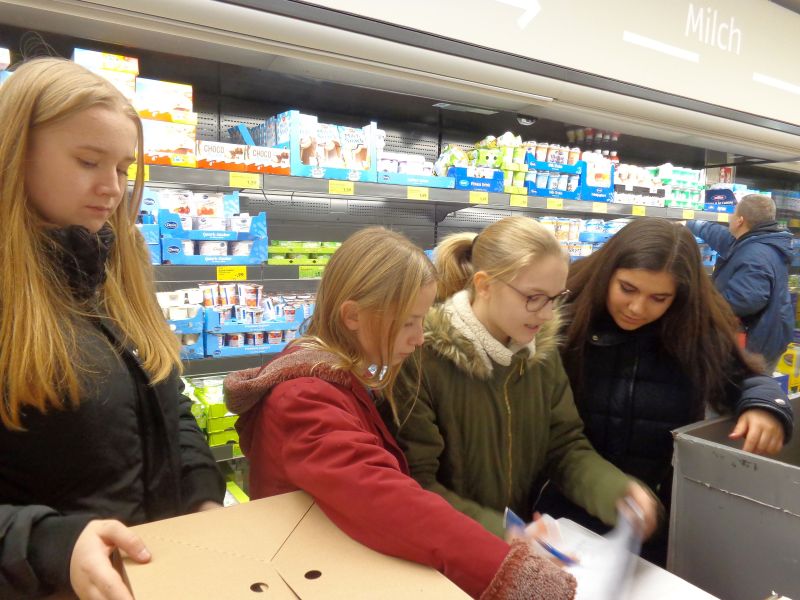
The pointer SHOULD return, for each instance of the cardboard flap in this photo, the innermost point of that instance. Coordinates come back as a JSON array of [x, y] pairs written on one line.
[[319, 561], [179, 570], [284, 542]]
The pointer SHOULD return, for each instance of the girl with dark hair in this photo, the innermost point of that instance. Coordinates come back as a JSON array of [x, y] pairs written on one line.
[[650, 346]]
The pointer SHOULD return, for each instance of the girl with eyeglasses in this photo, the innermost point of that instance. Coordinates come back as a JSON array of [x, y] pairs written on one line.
[[650, 346], [485, 409]]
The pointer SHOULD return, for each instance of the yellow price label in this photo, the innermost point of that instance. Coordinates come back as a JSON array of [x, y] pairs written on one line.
[[251, 181], [599, 207], [341, 188], [688, 214], [517, 200], [794, 222], [230, 273], [555, 204], [417, 193], [639, 211], [723, 217], [479, 197], [310, 272], [134, 168]]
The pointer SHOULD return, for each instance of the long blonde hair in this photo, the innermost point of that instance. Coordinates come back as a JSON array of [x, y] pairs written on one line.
[[500, 250], [382, 271], [38, 329]]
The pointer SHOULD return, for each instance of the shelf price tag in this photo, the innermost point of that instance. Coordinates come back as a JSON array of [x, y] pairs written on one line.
[[599, 207], [417, 193], [638, 210], [230, 273], [688, 214], [341, 188], [310, 271], [479, 197], [132, 172], [517, 200], [723, 217], [555, 204], [251, 181]]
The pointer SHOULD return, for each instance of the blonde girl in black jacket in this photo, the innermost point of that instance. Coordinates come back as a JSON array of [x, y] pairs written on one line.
[[94, 432]]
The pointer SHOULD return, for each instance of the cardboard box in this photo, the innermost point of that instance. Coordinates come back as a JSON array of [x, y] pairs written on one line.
[[219, 155], [94, 60], [735, 521], [327, 151], [284, 545], [164, 101], [274, 161], [170, 144]]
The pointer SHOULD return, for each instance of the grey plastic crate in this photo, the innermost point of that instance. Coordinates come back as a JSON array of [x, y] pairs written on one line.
[[735, 523]]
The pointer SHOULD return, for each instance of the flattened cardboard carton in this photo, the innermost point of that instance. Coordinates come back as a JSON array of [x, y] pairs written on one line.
[[285, 546]]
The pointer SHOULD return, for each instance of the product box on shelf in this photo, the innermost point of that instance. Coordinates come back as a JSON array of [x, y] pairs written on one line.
[[5, 58], [150, 233], [298, 553], [789, 364], [720, 200], [188, 318], [554, 180], [481, 179], [221, 424], [178, 251], [186, 204], [220, 156], [170, 144], [215, 324], [237, 227], [216, 346], [155, 253], [327, 151], [301, 253], [716, 485], [409, 169], [164, 101], [120, 70], [433, 181], [597, 181], [222, 438], [192, 346], [271, 161], [262, 134], [94, 60]]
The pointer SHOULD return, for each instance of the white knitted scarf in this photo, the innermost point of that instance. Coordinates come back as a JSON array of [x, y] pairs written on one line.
[[463, 318]]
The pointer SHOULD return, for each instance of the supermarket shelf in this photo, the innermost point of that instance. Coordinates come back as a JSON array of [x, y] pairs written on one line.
[[449, 200], [224, 453], [215, 366], [193, 273]]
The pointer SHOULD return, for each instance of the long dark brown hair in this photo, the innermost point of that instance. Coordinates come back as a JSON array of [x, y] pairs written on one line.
[[698, 330]]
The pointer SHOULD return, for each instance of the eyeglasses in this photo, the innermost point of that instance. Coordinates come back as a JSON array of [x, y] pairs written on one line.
[[537, 302]]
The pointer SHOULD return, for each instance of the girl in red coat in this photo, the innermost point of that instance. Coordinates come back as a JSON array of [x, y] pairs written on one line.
[[309, 421]]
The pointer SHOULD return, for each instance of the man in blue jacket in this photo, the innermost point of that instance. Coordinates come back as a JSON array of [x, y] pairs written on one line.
[[752, 273]]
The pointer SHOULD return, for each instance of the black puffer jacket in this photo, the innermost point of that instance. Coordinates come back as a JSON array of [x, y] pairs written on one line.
[[130, 451], [634, 394]]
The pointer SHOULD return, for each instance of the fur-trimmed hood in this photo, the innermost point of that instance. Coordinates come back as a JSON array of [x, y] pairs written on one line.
[[245, 389], [458, 342]]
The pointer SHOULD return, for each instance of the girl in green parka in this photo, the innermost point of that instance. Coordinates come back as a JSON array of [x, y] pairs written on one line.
[[485, 408]]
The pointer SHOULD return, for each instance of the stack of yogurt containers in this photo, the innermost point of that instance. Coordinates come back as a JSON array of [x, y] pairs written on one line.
[[181, 305], [246, 304], [545, 179], [239, 223]]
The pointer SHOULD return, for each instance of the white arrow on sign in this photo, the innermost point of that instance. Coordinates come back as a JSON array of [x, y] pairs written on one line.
[[531, 8]]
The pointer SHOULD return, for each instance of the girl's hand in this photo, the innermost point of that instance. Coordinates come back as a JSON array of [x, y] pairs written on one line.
[[761, 430]]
